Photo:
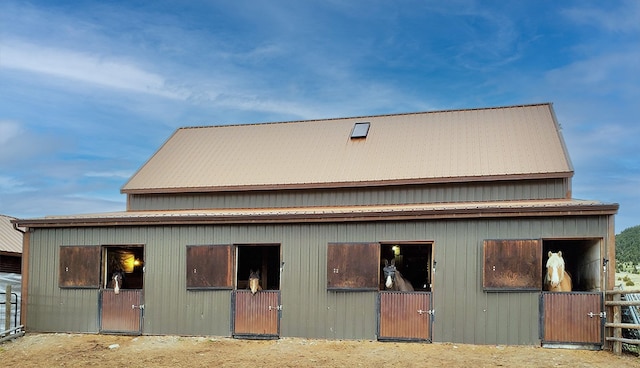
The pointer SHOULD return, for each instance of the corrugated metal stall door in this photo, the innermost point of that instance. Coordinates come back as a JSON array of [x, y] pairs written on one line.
[[121, 312], [404, 316], [256, 315], [572, 318]]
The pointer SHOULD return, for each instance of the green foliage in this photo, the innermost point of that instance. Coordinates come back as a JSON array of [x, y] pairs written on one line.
[[628, 245], [629, 283]]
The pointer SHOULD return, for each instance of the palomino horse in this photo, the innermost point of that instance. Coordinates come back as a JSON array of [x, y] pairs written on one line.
[[393, 278], [254, 282], [556, 279], [117, 278]]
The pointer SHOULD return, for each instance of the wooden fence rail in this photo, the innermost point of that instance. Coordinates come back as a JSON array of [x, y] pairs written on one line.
[[614, 304]]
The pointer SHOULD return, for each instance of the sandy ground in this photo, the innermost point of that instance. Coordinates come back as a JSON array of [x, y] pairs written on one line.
[[82, 350], [108, 351]]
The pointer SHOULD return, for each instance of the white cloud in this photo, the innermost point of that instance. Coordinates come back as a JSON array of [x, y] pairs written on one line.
[[84, 67], [10, 184], [623, 18], [121, 174]]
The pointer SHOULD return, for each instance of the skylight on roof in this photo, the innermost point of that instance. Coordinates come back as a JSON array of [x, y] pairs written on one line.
[[360, 130]]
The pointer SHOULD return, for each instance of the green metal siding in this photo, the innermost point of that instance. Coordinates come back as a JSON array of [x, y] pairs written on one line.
[[464, 313], [434, 193]]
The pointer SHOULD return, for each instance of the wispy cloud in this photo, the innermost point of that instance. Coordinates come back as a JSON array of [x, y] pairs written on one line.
[[618, 16], [83, 67]]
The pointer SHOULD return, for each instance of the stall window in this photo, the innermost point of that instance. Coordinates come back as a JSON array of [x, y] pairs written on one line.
[[512, 265], [353, 266], [209, 267], [79, 267]]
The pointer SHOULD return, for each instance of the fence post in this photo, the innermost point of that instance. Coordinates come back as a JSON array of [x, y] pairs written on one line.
[[617, 332], [7, 309]]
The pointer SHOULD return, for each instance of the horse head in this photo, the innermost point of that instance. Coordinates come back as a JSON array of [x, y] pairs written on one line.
[[254, 281], [555, 269], [117, 279], [389, 273]]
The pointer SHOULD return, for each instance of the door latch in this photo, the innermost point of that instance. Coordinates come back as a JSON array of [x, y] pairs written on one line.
[[601, 314]]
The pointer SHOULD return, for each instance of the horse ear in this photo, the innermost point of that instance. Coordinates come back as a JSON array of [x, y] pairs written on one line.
[[393, 262], [560, 253], [386, 262], [550, 253]]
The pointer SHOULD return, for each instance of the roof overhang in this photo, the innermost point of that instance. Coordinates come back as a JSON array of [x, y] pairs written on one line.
[[550, 208]]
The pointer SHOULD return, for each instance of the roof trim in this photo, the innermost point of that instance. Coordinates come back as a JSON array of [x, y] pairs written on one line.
[[331, 214], [353, 184]]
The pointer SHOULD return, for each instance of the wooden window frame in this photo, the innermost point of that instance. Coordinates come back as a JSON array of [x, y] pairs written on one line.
[[210, 267], [79, 267], [512, 265]]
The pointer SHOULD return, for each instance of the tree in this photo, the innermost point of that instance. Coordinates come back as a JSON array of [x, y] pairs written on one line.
[[628, 245]]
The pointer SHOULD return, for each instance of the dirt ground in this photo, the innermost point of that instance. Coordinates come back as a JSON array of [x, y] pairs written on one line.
[[81, 350]]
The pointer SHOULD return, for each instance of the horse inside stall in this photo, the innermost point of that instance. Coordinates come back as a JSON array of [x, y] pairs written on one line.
[[254, 281], [393, 278], [117, 280], [556, 279]]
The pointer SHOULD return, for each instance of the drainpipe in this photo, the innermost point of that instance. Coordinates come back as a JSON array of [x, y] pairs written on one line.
[[15, 227]]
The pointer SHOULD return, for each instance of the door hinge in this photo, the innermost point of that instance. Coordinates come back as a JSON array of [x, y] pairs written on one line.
[[277, 307], [429, 312], [141, 306]]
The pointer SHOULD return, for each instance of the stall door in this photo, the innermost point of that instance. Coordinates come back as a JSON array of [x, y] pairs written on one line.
[[405, 316], [256, 316], [572, 318], [121, 313]]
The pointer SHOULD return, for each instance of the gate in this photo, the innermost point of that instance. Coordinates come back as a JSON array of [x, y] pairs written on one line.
[[121, 313], [572, 318], [404, 316], [256, 316]]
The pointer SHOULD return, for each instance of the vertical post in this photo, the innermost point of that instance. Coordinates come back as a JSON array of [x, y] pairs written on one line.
[[617, 331], [7, 309]]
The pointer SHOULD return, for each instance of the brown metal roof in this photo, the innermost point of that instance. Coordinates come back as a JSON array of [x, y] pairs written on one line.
[[444, 146], [561, 207], [10, 239]]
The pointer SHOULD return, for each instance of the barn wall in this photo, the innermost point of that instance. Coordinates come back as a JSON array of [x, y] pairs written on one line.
[[464, 312], [435, 193]]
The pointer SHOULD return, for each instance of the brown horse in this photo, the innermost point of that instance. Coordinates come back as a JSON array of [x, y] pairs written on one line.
[[556, 279], [254, 282], [393, 278]]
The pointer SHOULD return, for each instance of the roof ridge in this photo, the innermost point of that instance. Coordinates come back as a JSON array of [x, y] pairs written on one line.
[[503, 107]]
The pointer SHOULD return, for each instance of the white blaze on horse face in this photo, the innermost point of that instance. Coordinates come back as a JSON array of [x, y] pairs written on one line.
[[116, 287], [555, 266], [389, 281], [253, 285]]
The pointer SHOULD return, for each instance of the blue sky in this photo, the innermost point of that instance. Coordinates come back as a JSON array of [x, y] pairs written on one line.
[[90, 89]]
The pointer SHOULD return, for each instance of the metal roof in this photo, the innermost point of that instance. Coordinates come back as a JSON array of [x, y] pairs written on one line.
[[527, 208], [10, 239], [444, 146]]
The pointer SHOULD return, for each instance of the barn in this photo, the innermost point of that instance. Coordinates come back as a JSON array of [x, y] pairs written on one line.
[[467, 204]]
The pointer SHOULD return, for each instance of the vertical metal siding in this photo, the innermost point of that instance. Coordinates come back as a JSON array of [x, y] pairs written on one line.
[[463, 312], [436, 193]]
